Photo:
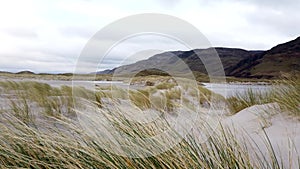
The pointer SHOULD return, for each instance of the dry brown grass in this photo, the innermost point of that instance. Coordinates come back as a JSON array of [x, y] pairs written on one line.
[[26, 142]]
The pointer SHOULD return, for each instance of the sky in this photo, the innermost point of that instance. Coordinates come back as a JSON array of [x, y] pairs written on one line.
[[49, 35]]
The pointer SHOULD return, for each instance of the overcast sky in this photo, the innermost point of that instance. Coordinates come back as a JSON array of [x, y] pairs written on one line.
[[48, 35]]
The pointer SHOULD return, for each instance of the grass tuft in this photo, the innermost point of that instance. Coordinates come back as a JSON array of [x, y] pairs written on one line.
[[284, 92]]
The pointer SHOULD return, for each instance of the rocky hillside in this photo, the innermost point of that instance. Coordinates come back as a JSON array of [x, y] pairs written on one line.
[[283, 58]]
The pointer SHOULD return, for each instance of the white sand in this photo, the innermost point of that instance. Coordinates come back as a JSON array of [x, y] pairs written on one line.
[[282, 130]]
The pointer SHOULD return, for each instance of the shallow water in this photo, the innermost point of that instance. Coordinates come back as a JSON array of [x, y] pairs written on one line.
[[229, 89]]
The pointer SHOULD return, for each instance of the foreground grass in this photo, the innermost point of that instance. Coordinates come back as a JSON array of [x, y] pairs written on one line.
[[26, 147], [39, 132]]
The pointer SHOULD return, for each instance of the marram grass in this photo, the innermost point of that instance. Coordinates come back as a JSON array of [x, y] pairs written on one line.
[[39, 131], [284, 92]]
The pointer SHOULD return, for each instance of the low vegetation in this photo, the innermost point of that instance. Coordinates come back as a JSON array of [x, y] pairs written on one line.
[[63, 76], [143, 80], [165, 85]]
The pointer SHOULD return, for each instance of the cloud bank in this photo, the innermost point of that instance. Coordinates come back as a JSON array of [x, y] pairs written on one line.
[[48, 36]]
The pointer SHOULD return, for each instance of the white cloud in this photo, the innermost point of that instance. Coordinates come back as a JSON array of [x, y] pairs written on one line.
[[48, 36]]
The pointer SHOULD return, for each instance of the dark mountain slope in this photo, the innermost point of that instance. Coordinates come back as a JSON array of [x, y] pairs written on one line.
[[283, 58], [228, 56], [173, 60]]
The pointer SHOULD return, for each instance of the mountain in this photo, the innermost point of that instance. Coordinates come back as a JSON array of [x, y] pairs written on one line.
[[175, 61], [228, 56], [107, 71], [283, 58], [26, 72]]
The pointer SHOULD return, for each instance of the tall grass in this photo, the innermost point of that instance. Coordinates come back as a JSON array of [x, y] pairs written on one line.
[[284, 92], [22, 146], [287, 94], [140, 98], [165, 85], [249, 98], [41, 144]]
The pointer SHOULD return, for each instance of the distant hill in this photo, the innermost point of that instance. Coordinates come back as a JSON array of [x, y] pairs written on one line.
[[174, 61], [152, 72], [26, 72], [5, 72], [283, 58], [107, 71]]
